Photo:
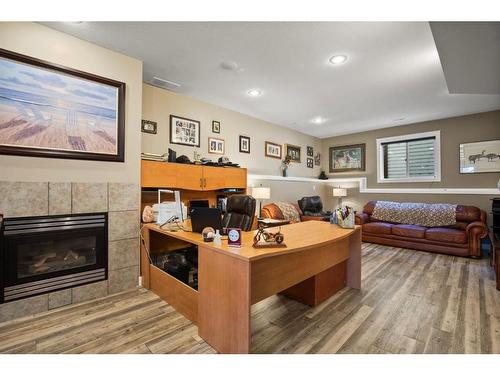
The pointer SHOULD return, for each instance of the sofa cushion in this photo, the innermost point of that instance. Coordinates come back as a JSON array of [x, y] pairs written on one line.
[[378, 228], [446, 235], [289, 211], [407, 230]]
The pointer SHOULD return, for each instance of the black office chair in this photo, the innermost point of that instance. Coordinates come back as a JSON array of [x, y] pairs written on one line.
[[313, 207], [240, 212]]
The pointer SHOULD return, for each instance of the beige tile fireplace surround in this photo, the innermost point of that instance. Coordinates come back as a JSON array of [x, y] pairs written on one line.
[[120, 200]]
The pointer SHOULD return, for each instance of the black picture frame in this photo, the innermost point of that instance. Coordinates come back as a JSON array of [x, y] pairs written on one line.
[[184, 124], [244, 138], [60, 153], [310, 151], [149, 127], [310, 163], [216, 127]]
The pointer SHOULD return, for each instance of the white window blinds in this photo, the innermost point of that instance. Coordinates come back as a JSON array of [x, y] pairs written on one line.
[[412, 158]]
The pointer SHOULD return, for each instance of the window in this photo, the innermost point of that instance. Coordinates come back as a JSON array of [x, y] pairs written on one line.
[[409, 158]]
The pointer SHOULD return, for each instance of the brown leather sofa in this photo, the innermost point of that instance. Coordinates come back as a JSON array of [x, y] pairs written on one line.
[[462, 239]]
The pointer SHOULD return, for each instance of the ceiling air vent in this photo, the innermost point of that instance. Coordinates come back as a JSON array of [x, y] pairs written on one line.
[[164, 84]]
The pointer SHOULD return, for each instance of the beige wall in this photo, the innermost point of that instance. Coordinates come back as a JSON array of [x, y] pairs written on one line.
[[455, 130], [44, 43], [159, 104]]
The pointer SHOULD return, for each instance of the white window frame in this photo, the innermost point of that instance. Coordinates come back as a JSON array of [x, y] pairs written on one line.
[[410, 137]]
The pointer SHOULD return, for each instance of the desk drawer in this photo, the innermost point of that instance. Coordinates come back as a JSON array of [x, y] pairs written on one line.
[[183, 298]]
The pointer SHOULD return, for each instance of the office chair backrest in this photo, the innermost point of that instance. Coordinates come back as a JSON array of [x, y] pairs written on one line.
[[311, 205], [240, 212]]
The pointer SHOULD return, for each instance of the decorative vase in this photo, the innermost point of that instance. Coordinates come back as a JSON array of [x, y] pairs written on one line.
[[284, 172]]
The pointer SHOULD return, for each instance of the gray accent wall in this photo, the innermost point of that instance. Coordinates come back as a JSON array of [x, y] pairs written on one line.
[[455, 130]]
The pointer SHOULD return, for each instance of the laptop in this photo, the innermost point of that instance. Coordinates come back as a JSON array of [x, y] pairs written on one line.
[[202, 217]]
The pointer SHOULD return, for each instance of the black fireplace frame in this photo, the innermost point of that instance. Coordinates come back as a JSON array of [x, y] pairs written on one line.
[[13, 288]]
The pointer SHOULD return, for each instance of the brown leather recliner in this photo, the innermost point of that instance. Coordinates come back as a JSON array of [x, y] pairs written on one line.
[[462, 239]]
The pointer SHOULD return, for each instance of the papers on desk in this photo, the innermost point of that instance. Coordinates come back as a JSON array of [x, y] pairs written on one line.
[[167, 210]]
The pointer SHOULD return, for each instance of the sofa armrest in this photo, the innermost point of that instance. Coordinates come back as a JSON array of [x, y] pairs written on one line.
[[475, 231], [361, 218]]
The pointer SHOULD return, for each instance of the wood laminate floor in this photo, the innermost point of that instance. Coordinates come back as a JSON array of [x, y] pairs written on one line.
[[410, 302]]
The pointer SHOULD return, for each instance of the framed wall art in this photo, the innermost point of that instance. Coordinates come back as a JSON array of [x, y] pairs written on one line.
[[480, 157], [310, 163], [215, 127], [244, 144], [310, 151], [272, 150], [184, 131], [317, 159], [294, 152], [149, 127], [347, 158], [49, 110], [216, 146]]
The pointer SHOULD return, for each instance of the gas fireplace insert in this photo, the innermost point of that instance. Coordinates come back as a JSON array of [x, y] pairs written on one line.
[[48, 253]]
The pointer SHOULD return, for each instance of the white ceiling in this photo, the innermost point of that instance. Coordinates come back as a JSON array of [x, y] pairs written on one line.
[[393, 70]]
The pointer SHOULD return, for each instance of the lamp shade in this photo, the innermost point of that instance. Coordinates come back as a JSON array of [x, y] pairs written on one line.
[[261, 192], [339, 192]]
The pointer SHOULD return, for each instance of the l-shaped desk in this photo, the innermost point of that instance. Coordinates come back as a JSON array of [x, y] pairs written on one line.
[[320, 259]]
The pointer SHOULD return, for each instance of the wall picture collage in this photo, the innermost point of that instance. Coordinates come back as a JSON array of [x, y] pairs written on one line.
[[185, 131]]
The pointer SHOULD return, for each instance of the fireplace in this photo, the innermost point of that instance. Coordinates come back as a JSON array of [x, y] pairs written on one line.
[[49, 253]]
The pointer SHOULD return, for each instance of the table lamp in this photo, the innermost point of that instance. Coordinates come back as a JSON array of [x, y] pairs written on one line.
[[339, 193], [260, 193]]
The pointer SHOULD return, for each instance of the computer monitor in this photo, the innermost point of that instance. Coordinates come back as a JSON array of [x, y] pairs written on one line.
[[198, 203], [202, 217]]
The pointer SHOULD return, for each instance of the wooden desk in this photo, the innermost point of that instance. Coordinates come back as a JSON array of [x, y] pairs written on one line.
[[232, 279]]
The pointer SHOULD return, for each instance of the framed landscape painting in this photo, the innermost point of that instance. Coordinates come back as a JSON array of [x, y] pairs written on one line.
[[480, 157], [347, 158], [48, 110]]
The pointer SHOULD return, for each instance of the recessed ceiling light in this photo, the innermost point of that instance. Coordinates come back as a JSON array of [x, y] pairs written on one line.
[[318, 120], [229, 65], [338, 59], [254, 93]]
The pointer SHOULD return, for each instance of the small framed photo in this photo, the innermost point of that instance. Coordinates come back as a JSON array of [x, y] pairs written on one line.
[[310, 163], [216, 127], [216, 146], [273, 150], [317, 159], [480, 157], [294, 152], [149, 127], [310, 151], [184, 131], [244, 144]]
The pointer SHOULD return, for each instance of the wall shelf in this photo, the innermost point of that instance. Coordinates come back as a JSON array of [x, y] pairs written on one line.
[[361, 182]]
